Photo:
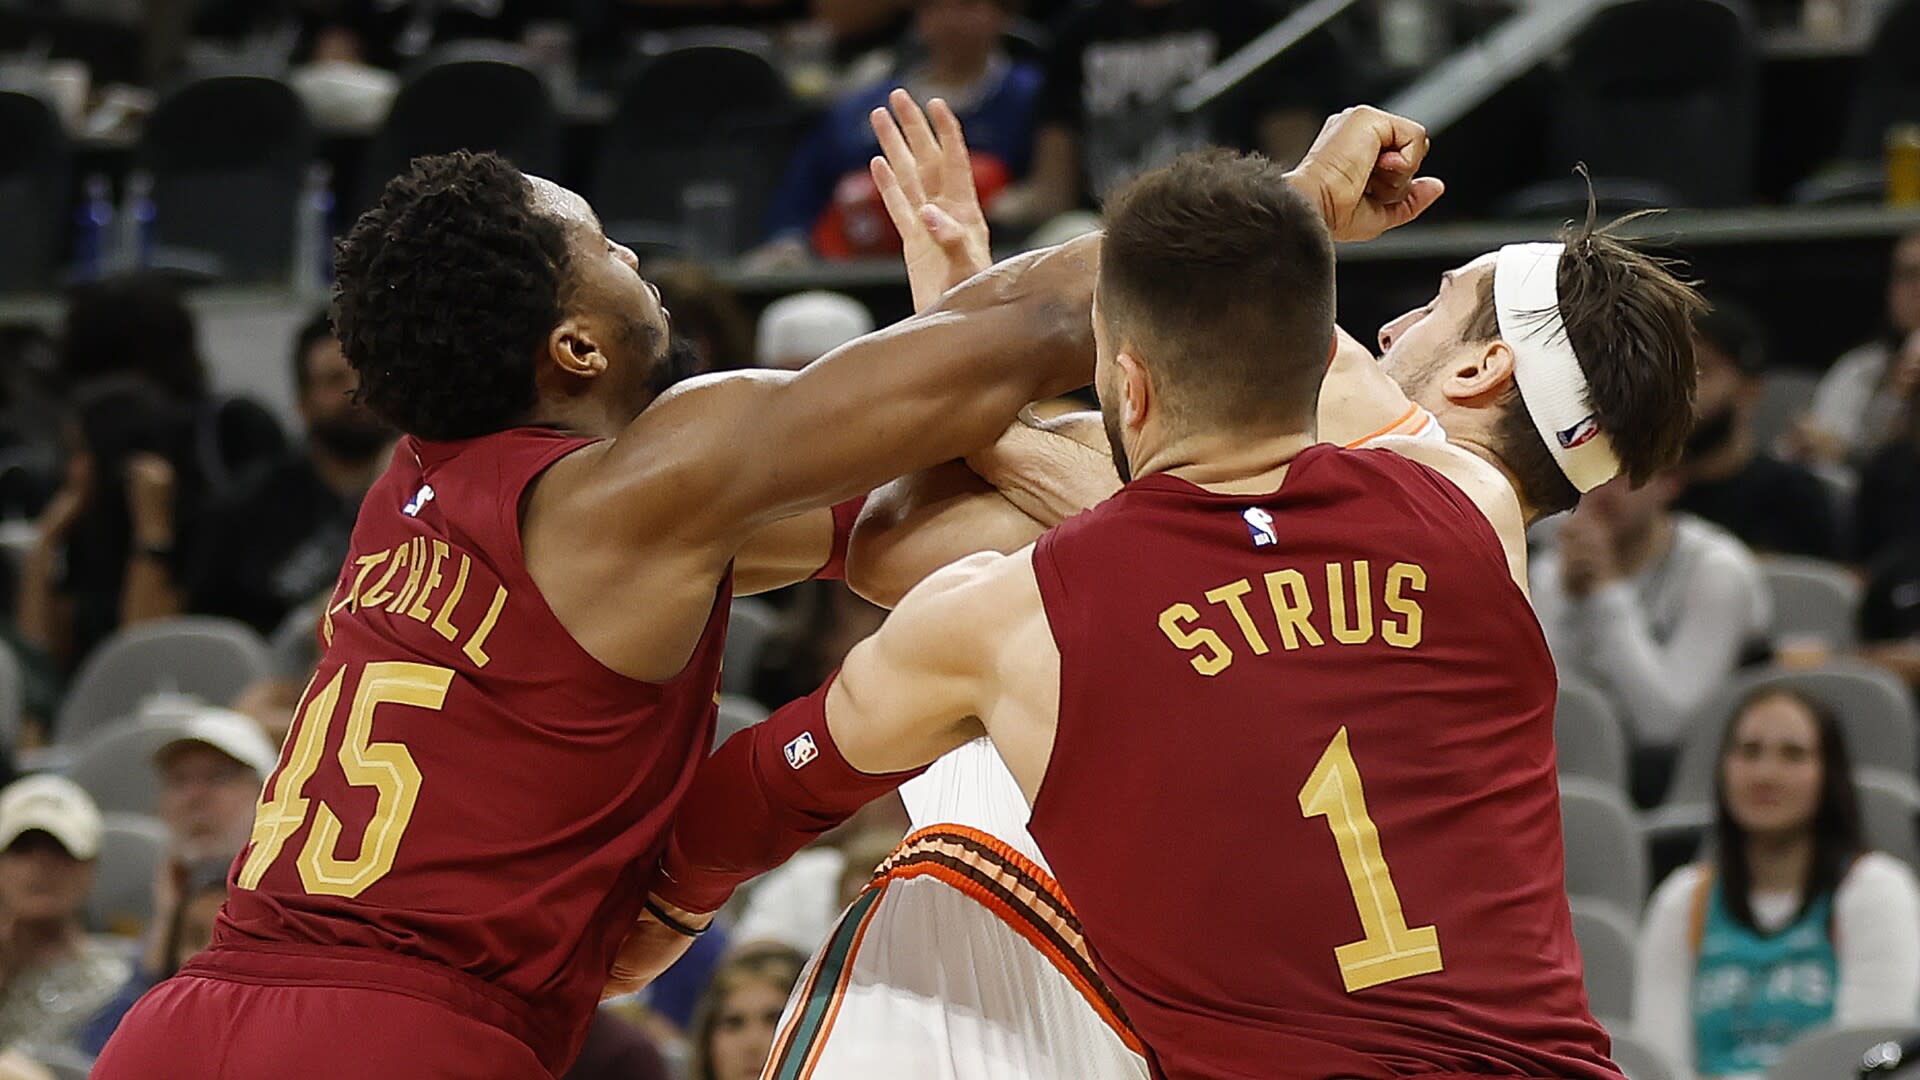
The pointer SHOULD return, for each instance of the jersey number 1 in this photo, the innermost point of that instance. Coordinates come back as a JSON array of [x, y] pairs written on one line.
[[1392, 950], [385, 767]]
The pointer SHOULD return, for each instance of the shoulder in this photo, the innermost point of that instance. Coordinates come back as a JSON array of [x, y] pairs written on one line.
[[1481, 494], [1877, 877], [1863, 361], [969, 607], [1715, 550], [1674, 899]]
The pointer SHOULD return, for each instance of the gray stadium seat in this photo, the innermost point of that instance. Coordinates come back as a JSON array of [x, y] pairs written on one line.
[[115, 765], [131, 847], [737, 714], [1639, 1060], [210, 658], [1875, 709], [1888, 805], [12, 695], [752, 623], [1606, 953], [1833, 1053], [1812, 598], [1606, 859], [1590, 738]]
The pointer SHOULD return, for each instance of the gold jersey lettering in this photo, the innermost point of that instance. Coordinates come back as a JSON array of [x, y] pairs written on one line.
[[440, 624], [475, 648], [1231, 595], [378, 594], [1360, 630], [417, 611], [1292, 606], [1401, 579], [416, 568], [1218, 656]]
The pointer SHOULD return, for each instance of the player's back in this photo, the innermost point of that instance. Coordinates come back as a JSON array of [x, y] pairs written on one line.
[[1303, 791], [468, 805]]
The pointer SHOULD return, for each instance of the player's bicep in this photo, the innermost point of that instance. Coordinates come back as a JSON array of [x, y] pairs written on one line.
[[915, 689], [788, 551]]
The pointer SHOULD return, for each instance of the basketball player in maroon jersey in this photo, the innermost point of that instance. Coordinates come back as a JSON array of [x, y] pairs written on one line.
[[523, 648], [1283, 714]]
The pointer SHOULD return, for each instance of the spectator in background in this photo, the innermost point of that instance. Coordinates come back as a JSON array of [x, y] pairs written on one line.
[[278, 539], [54, 975], [1107, 112], [733, 1033], [827, 203], [1886, 507], [1857, 406], [617, 1050], [1888, 534], [184, 931], [1789, 926], [711, 330], [211, 768], [796, 330], [1654, 608], [1731, 481], [394, 33]]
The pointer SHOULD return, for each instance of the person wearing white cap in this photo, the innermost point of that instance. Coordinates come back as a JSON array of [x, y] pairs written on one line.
[[210, 770], [799, 329], [55, 976]]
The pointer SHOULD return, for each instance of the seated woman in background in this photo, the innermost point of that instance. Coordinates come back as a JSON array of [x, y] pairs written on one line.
[[733, 1031], [1788, 925]]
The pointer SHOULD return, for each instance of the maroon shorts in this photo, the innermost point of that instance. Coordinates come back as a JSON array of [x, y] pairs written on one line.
[[209, 1028]]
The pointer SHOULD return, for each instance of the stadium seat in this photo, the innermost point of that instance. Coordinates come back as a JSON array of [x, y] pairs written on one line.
[[1875, 710], [752, 622], [1812, 598], [34, 170], [131, 847], [1606, 953], [732, 124], [1590, 739], [1834, 1052], [1659, 98], [1889, 804], [229, 157], [462, 102], [211, 658], [12, 695], [1639, 1060], [737, 714], [1887, 90], [115, 765], [1606, 860]]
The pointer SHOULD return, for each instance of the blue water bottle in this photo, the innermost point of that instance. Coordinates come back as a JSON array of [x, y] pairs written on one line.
[[91, 236]]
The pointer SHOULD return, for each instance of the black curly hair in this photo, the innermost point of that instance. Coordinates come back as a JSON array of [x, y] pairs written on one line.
[[444, 292]]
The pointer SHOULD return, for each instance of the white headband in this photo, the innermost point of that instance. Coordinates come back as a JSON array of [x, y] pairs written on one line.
[[1526, 298]]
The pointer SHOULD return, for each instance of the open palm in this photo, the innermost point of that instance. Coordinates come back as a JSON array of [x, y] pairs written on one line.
[[925, 179]]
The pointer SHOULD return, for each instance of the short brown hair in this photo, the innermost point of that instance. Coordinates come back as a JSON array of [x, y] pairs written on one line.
[[1225, 273], [1629, 319]]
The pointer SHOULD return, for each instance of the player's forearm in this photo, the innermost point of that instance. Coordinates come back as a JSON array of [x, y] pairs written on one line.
[[1051, 469], [766, 793], [920, 523]]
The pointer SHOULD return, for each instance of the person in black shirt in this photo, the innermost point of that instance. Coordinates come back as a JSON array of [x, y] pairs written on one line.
[[278, 540], [1107, 115], [1774, 506]]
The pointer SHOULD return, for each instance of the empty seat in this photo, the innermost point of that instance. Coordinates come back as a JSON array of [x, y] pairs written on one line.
[[131, 849], [1590, 738], [1834, 1052], [229, 157], [210, 658], [1889, 804], [1874, 707], [1812, 598], [1639, 1060], [1606, 859], [1659, 98], [731, 127], [34, 169], [1606, 954], [465, 104]]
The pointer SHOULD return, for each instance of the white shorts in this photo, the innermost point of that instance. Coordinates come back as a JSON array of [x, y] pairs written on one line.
[[961, 961]]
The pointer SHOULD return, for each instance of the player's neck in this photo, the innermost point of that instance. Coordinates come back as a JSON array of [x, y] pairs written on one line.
[[1485, 453], [588, 417], [1228, 463]]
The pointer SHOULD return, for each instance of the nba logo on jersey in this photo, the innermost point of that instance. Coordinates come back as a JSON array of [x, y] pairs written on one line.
[[1260, 527], [420, 499], [1579, 434], [801, 750]]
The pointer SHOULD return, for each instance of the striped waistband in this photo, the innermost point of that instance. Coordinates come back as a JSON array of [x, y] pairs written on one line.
[[1021, 894]]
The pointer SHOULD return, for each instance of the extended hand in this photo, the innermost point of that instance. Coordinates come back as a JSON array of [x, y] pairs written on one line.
[[650, 948], [1362, 172], [926, 181]]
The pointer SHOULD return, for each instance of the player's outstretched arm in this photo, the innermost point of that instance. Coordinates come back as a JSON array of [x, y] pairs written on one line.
[[913, 691], [718, 458]]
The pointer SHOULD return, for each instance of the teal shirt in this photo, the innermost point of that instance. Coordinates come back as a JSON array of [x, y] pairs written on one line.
[[1753, 994]]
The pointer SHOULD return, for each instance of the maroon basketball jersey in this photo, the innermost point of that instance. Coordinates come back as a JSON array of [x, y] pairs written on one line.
[[467, 800], [1302, 792]]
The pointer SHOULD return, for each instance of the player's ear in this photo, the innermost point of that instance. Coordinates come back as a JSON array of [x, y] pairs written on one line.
[[1136, 389], [1480, 374], [573, 347]]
